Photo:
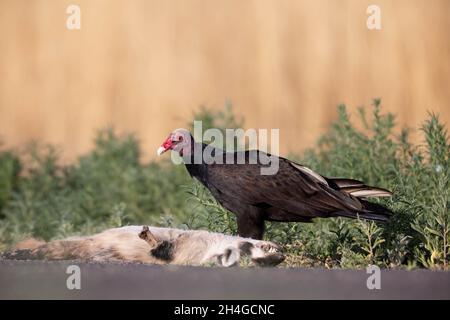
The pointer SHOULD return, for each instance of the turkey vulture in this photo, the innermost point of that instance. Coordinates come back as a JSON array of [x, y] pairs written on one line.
[[294, 194]]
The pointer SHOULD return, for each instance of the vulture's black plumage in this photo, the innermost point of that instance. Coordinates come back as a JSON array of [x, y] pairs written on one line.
[[294, 194]]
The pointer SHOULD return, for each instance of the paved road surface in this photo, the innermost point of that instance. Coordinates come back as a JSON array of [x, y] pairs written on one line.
[[47, 280]]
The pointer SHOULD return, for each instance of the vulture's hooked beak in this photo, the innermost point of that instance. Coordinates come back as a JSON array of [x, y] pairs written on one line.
[[160, 151], [166, 146]]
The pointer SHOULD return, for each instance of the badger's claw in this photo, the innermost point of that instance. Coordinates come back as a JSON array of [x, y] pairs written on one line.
[[272, 254], [268, 247], [147, 236]]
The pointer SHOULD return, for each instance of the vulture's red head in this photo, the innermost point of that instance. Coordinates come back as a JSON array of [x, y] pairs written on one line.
[[179, 140]]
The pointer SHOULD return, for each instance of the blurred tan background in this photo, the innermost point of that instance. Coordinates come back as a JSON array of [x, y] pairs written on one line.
[[145, 66]]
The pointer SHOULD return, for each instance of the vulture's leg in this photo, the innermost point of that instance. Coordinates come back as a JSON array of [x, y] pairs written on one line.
[[250, 223], [250, 219]]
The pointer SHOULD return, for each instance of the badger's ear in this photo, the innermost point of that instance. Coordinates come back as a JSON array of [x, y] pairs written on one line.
[[149, 237]]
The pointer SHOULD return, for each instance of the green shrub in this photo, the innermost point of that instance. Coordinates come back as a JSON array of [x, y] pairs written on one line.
[[108, 187], [111, 187], [9, 172], [418, 233]]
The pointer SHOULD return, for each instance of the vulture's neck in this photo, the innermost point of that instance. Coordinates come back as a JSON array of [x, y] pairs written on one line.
[[197, 170]]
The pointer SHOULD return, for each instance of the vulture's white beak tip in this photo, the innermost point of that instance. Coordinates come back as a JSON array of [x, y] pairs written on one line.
[[160, 151]]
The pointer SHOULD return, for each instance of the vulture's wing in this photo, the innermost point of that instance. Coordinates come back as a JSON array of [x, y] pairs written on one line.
[[294, 188]]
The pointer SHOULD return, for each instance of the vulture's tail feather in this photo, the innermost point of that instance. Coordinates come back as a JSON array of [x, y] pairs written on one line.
[[371, 211], [357, 188]]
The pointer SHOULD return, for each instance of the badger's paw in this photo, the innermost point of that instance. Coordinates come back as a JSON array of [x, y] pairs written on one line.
[[262, 253], [268, 247]]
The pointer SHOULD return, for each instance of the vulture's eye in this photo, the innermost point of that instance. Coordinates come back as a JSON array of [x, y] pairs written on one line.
[[180, 138]]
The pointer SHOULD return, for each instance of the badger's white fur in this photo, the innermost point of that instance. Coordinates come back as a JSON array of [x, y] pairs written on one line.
[[154, 246]]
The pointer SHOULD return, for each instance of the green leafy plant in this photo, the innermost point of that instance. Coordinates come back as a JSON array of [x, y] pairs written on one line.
[[110, 187]]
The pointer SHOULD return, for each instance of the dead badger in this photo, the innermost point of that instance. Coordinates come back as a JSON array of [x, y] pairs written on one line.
[[154, 246]]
